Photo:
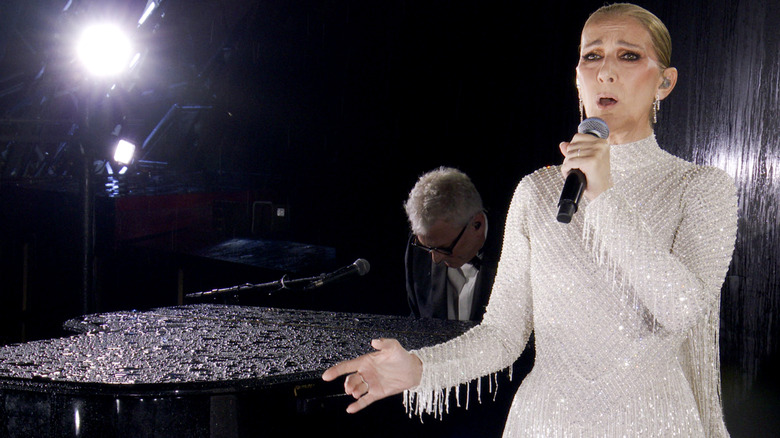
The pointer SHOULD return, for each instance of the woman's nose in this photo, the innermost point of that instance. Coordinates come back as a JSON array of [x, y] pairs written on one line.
[[607, 71]]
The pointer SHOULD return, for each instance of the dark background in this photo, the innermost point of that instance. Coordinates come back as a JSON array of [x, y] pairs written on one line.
[[333, 109]]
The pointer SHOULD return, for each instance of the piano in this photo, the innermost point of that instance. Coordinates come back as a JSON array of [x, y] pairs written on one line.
[[203, 370]]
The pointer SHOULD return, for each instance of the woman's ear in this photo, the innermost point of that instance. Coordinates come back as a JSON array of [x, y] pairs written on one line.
[[668, 82]]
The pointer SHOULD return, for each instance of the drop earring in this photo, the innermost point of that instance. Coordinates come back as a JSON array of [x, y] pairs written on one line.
[[579, 98], [656, 108]]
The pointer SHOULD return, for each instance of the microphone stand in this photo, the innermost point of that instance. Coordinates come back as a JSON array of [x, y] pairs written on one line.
[[360, 267], [281, 284]]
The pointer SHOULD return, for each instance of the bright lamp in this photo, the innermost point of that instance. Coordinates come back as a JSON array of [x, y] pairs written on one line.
[[104, 50]]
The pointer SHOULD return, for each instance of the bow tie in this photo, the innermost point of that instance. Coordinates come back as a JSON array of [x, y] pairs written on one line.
[[476, 262]]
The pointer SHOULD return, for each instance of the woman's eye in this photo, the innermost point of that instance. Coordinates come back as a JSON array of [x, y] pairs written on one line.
[[630, 56], [591, 57]]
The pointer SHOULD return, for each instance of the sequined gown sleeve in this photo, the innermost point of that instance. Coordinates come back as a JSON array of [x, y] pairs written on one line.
[[624, 303]]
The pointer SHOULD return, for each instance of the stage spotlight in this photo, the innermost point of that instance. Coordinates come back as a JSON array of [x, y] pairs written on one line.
[[104, 50], [123, 154]]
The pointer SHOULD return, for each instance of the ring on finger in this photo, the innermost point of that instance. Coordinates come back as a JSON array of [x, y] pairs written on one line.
[[364, 381]]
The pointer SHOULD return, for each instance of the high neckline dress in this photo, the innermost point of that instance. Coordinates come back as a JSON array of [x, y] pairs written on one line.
[[623, 302]]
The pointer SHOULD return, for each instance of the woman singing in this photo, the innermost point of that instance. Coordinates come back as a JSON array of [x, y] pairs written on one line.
[[623, 300]]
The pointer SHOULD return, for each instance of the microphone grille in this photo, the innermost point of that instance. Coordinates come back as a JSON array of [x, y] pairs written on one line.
[[362, 266], [594, 126]]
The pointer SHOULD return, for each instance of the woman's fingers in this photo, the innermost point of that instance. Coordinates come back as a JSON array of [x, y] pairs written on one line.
[[356, 385], [361, 403], [341, 368], [590, 154], [380, 344]]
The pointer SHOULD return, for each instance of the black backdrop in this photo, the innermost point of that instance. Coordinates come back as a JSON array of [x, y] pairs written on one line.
[[340, 105]]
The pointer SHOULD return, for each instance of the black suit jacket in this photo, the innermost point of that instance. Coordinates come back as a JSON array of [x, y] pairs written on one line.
[[426, 282]]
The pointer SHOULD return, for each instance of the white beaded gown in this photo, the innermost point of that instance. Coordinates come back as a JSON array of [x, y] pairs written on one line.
[[623, 301]]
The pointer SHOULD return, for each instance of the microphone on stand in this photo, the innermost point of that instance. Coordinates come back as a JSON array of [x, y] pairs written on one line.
[[575, 181], [359, 267]]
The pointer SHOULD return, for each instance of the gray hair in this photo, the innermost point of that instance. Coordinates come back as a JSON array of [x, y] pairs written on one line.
[[442, 194]]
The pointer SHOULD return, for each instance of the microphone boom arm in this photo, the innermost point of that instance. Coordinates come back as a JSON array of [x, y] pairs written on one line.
[[359, 267], [280, 284]]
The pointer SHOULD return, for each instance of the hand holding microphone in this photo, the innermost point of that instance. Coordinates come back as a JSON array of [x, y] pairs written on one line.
[[586, 154]]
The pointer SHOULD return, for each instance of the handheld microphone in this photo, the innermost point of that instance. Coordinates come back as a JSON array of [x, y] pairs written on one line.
[[575, 181], [359, 267]]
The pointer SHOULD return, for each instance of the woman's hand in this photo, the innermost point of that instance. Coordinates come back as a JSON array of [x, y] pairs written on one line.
[[387, 371], [590, 154]]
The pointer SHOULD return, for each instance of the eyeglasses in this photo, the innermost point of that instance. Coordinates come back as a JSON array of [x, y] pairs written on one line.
[[444, 250]]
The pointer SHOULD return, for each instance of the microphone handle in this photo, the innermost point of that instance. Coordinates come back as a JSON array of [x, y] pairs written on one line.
[[575, 180], [571, 195]]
